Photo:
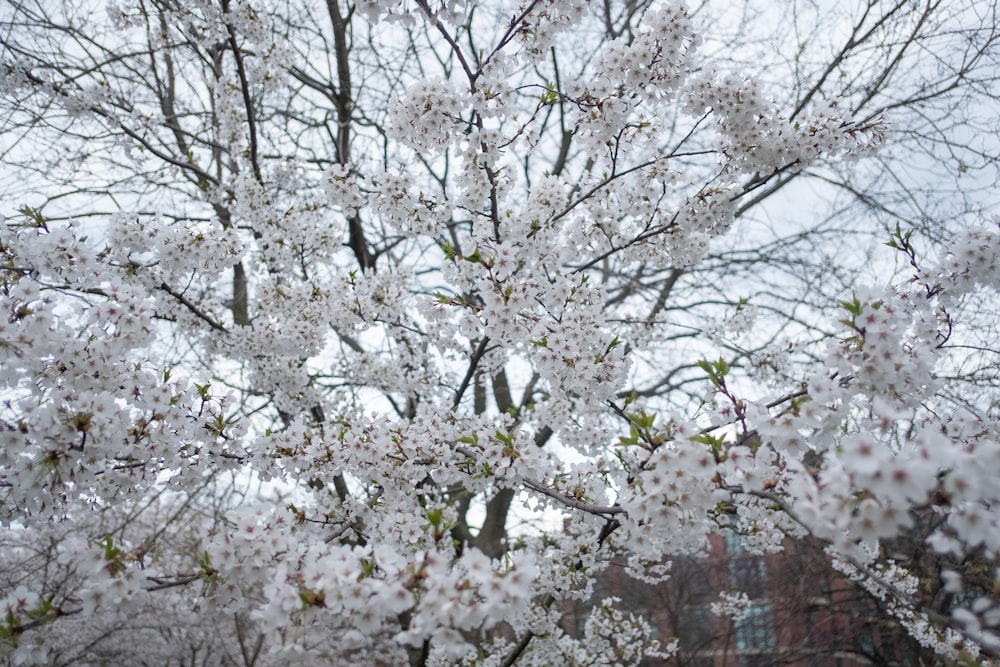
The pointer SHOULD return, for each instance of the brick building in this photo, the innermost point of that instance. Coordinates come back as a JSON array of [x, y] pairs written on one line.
[[801, 614]]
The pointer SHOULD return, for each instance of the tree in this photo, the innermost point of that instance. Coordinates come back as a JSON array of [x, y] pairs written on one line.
[[378, 329]]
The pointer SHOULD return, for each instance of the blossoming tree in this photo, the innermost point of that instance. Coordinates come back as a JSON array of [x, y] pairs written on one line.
[[370, 332]]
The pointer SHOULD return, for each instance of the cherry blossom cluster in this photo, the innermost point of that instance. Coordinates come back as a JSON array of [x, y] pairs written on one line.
[[652, 62], [428, 117], [971, 259], [754, 136]]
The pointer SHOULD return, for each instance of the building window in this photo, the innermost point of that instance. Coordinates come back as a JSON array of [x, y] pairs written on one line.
[[734, 543], [690, 582], [694, 629], [749, 575], [755, 629]]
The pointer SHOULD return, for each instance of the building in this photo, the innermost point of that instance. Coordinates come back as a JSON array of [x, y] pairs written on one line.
[[801, 612]]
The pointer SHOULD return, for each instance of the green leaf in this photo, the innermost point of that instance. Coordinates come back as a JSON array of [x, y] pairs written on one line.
[[550, 96], [854, 307], [435, 516], [716, 370], [34, 215], [444, 299], [111, 552]]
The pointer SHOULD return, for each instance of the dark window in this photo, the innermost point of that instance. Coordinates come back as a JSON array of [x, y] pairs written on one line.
[[755, 628], [689, 577], [694, 630], [749, 575]]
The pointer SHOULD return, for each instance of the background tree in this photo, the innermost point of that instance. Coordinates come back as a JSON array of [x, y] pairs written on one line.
[[450, 275]]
